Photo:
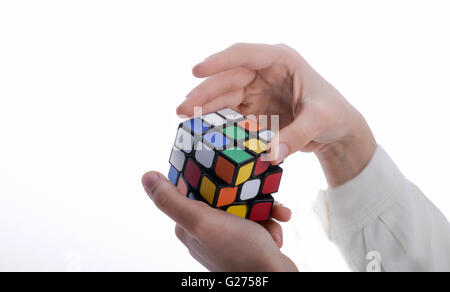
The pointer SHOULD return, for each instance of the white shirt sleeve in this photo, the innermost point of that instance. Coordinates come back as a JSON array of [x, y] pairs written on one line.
[[381, 213]]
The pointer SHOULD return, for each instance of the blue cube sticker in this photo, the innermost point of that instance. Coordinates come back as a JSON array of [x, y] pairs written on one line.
[[197, 126], [216, 139], [173, 175]]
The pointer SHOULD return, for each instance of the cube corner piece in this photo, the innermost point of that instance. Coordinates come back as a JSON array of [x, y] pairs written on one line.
[[271, 180], [261, 208]]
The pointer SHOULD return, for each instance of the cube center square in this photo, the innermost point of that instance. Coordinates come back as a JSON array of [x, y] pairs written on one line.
[[204, 155], [216, 159]]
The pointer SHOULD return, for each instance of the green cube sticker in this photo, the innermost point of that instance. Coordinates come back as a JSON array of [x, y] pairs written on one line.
[[235, 133], [238, 155]]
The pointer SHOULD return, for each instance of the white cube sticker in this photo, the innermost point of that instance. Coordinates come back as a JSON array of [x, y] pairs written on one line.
[[177, 159], [214, 120], [250, 189], [266, 135], [230, 114], [184, 141], [204, 155]]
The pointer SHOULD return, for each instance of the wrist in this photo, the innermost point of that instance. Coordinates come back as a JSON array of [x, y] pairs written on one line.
[[344, 159]]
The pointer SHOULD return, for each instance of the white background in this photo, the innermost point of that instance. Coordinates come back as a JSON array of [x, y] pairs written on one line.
[[88, 91]]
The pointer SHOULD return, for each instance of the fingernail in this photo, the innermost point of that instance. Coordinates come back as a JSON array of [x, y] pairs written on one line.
[[290, 213], [283, 151], [149, 181], [269, 155], [180, 112], [265, 157], [196, 69]]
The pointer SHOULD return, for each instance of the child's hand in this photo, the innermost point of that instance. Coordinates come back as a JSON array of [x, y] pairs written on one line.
[[218, 240], [276, 80]]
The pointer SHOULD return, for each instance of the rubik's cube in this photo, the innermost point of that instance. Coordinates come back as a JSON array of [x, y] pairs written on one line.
[[217, 159]]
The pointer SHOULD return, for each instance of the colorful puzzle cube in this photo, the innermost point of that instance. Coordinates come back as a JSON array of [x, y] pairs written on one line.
[[217, 159]]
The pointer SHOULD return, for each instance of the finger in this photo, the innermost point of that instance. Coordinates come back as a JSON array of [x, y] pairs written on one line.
[[250, 56], [186, 212], [293, 138], [275, 230], [281, 213], [214, 87], [227, 100], [202, 261]]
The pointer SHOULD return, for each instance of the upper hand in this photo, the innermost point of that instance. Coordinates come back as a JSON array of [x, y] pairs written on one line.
[[276, 80]]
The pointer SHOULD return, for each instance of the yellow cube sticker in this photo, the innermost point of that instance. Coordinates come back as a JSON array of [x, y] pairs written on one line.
[[244, 173], [238, 210], [208, 190], [256, 145]]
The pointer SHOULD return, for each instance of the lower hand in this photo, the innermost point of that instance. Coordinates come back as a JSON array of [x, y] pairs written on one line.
[[218, 240]]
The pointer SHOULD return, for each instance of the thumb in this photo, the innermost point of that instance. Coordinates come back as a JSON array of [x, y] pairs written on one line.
[[167, 198], [291, 138]]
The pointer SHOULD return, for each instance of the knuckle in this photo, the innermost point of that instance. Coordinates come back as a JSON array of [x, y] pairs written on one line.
[[288, 51], [283, 46], [285, 49]]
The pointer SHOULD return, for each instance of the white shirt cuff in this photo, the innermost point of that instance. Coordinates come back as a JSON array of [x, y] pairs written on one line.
[[354, 204]]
